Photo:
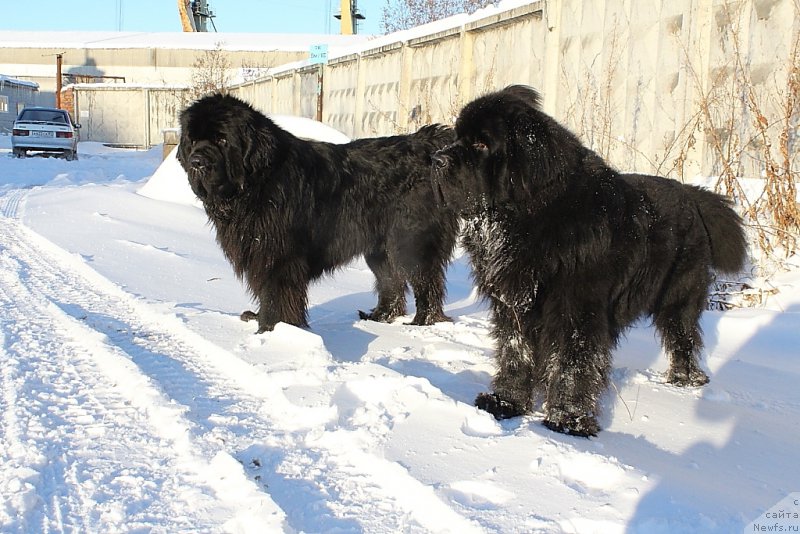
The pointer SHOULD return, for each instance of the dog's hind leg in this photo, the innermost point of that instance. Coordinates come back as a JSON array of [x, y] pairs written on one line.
[[423, 254], [390, 286], [678, 322], [429, 291]]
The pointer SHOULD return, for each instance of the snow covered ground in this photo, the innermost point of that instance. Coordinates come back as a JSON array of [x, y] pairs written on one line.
[[132, 399]]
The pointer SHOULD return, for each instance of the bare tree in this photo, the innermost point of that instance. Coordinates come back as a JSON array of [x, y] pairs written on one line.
[[210, 73], [404, 14]]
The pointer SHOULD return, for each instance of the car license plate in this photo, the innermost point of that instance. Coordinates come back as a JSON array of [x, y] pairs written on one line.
[[36, 133]]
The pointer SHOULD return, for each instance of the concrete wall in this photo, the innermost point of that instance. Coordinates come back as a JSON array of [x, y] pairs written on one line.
[[403, 85], [630, 77], [633, 78]]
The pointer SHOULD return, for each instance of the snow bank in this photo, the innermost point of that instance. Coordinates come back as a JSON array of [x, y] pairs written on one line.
[[169, 182]]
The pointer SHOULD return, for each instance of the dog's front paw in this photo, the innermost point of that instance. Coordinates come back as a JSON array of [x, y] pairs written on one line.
[[692, 377], [379, 316], [574, 425], [498, 407], [248, 315], [430, 318]]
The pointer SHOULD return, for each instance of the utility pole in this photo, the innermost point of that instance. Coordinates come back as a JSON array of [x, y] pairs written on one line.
[[195, 15], [202, 15], [349, 15], [59, 61]]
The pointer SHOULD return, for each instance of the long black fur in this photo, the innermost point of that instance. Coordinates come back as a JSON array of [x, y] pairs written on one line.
[[287, 210], [569, 253]]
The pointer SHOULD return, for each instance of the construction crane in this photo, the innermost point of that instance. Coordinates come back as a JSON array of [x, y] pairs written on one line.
[[195, 15], [349, 15]]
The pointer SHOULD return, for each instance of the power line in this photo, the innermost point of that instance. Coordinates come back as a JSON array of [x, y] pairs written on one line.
[[119, 15]]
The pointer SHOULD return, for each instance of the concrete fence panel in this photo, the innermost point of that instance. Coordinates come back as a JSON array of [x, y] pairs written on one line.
[[382, 110], [508, 48], [112, 115], [310, 80], [339, 93], [285, 94], [433, 92], [125, 115]]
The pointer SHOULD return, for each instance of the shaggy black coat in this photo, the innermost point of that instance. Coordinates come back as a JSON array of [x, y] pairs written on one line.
[[570, 252], [287, 210]]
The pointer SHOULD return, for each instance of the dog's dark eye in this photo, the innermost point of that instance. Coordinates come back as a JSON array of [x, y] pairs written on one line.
[[479, 146]]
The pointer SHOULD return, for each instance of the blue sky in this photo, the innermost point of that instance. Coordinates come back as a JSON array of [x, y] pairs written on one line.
[[262, 16]]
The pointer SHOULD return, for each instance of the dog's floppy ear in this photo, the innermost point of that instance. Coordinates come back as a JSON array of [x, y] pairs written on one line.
[[259, 149], [233, 157], [525, 93], [184, 143], [541, 151], [248, 150], [500, 185], [535, 158], [524, 148], [504, 172], [182, 153]]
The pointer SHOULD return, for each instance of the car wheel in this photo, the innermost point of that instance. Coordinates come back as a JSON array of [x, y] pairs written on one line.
[[19, 152], [70, 155]]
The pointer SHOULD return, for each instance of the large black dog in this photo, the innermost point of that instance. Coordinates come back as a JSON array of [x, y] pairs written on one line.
[[570, 252], [287, 210]]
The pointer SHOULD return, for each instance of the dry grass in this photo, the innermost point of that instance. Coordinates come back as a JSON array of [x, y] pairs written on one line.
[[747, 122], [592, 112], [753, 125]]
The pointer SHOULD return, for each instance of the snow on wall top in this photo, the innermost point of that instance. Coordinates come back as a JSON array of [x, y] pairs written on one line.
[[173, 40], [14, 81], [432, 28]]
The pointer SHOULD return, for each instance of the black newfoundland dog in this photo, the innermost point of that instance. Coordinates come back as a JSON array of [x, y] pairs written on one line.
[[569, 253], [287, 211]]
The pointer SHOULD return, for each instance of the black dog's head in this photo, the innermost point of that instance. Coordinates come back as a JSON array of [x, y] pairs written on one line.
[[507, 151], [223, 141]]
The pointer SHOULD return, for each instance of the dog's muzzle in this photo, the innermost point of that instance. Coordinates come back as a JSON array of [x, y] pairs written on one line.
[[199, 168]]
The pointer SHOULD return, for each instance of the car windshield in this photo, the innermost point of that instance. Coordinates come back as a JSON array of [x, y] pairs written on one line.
[[43, 115]]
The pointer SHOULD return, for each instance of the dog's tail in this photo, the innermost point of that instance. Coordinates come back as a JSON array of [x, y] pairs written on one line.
[[725, 231]]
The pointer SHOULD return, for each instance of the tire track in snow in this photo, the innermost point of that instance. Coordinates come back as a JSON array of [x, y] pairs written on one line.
[[110, 451], [226, 404], [11, 202]]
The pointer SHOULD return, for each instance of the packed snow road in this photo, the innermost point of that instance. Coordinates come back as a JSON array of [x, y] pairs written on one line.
[[83, 399], [131, 417]]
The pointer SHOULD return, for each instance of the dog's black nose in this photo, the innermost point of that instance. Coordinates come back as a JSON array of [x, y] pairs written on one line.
[[440, 161]]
